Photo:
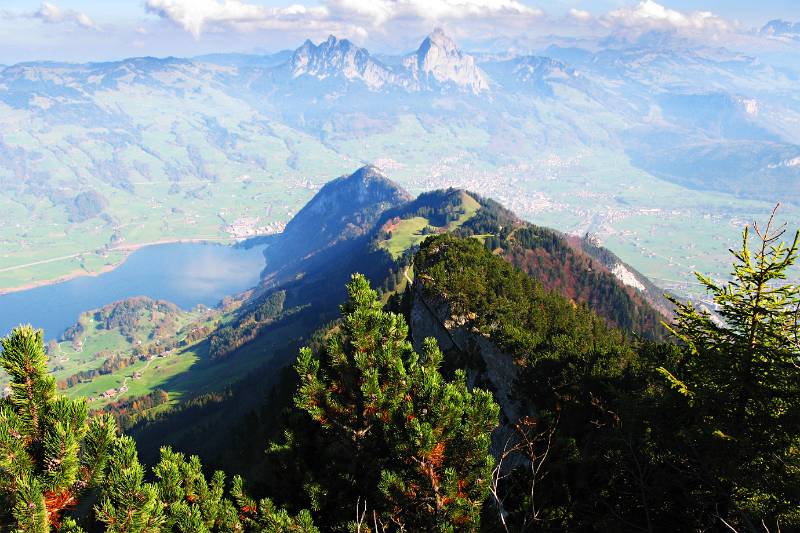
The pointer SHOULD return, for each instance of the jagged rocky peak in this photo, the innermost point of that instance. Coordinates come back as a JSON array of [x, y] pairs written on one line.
[[439, 60], [439, 39], [339, 57]]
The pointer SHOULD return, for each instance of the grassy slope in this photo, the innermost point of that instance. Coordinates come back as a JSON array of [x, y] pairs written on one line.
[[405, 235], [408, 232], [182, 372]]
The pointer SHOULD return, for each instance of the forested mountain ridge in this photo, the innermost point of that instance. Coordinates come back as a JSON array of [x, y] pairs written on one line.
[[386, 218], [472, 395], [381, 246], [578, 269], [575, 395], [214, 362]]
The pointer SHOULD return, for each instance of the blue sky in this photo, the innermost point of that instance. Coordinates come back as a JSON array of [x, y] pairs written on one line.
[[83, 30], [759, 12]]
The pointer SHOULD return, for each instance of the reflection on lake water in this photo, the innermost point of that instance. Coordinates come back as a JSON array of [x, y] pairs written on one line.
[[186, 274]]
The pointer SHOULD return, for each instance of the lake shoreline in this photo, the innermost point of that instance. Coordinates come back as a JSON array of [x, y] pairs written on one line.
[[127, 250], [187, 274]]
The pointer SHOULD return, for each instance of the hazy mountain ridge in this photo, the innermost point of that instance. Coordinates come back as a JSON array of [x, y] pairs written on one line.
[[335, 57], [534, 74], [438, 64], [627, 81], [188, 147]]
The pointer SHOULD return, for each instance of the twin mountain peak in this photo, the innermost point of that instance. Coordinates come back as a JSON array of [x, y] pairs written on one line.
[[437, 62]]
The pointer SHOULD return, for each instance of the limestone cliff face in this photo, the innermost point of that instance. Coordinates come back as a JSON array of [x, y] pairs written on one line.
[[339, 57], [438, 63], [439, 60], [487, 366]]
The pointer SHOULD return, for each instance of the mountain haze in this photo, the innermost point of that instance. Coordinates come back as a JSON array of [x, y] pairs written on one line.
[[172, 148]]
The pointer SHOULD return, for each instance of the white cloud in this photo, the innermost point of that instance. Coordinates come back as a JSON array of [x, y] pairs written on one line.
[[197, 16], [348, 17], [52, 14], [49, 13], [434, 9], [650, 15], [580, 15], [84, 20]]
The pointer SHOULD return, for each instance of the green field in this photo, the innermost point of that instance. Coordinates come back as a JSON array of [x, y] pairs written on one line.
[[186, 185], [89, 350], [180, 151], [405, 235], [96, 343], [183, 371], [409, 232]]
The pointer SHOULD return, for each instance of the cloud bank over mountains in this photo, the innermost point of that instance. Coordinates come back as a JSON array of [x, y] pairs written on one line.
[[359, 17], [649, 15], [197, 16], [186, 27], [371, 22], [352, 18]]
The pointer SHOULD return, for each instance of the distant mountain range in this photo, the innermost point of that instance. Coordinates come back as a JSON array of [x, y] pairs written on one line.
[[175, 148], [437, 64], [679, 95]]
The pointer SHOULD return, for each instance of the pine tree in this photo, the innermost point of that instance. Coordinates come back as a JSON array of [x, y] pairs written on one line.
[[127, 503], [50, 451], [741, 382], [397, 435], [182, 500], [266, 516]]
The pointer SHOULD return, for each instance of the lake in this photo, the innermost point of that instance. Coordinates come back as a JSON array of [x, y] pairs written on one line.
[[186, 274]]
